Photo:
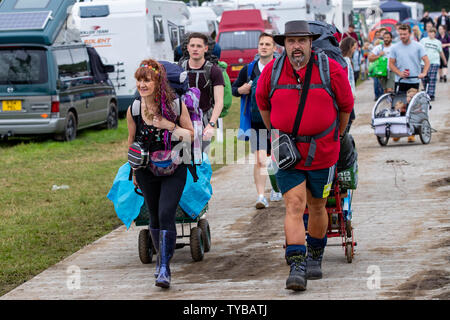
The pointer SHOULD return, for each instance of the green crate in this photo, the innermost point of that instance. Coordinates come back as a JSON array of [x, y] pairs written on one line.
[[348, 178]]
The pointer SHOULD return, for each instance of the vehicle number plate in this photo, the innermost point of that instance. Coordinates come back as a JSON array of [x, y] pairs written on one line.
[[12, 105], [236, 68]]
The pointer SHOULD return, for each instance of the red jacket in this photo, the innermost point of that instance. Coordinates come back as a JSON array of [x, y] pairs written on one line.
[[319, 112]]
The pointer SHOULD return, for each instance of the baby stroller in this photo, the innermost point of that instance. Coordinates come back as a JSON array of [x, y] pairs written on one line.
[[388, 122]]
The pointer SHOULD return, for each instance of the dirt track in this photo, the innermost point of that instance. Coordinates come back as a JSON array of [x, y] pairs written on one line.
[[401, 223]]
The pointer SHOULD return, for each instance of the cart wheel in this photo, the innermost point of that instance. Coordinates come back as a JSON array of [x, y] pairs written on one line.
[[196, 243], [206, 234], [425, 132], [145, 247], [349, 252], [383, 140], [348, 228]]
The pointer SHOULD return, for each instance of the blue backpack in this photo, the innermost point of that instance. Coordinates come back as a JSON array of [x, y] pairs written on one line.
[[256, 115]]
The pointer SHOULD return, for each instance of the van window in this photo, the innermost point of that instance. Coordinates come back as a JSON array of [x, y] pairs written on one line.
[[94, 11], [23, 66], [239, 40], [31, 4], [72, 63], [158, 28]]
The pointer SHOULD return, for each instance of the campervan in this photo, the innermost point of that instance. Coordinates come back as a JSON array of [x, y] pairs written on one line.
[[416, 10], [50, 82], [238, 36], [341, 14], [126, 32]]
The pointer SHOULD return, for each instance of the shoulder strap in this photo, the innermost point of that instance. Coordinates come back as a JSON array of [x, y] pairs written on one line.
[[304, 93], [276, 72]]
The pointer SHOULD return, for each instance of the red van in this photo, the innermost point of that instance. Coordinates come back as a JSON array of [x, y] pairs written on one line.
[[238, 35]]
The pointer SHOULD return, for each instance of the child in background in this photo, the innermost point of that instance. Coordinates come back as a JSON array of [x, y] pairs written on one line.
[[402, 107]]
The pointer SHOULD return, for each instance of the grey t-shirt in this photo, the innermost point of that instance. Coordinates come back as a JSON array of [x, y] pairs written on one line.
[[408, 57]]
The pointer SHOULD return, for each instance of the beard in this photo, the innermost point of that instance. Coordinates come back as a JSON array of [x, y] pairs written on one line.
[[298, 59]]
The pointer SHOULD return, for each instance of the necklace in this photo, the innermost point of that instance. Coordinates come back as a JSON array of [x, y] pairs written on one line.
[[149, 115]]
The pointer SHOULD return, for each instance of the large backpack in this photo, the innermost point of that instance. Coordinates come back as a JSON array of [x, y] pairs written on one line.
[[325, 46], [211, 60]]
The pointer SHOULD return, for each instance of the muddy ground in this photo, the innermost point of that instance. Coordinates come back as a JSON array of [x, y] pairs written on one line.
[[401, 224]]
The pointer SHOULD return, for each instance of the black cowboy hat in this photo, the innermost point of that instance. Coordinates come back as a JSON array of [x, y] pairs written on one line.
[[295, 28]]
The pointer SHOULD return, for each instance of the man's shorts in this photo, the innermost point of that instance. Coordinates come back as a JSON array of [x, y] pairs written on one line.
[[317, 181], [260, 138], [389, 81]]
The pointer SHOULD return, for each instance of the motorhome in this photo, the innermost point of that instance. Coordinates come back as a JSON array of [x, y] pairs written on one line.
[[238, 36], [50, 82], [126, 32]]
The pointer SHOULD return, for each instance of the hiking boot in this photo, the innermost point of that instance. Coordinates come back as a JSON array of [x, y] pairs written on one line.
[[275, 196], [314, 263], [411, 139], [261, 203], [167, 242], [396, 139], [154, 233], [297, 275], [445, 78]]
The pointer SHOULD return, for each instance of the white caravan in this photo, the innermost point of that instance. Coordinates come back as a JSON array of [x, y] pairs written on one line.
[[416, 10], [203, 19], [341, 14], [124, 32]]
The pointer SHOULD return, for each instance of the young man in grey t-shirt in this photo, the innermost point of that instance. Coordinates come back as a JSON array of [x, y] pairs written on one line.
[[405, 60]]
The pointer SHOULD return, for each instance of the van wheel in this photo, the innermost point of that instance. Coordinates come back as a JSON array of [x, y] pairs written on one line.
[[113, 117], [70, 129]]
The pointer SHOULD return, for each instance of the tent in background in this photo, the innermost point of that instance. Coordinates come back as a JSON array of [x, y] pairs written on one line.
[[395, 10]]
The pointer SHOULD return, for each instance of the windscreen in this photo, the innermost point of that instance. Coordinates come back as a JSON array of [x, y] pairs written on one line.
[[239, 40], [94, 11], [23, 66]]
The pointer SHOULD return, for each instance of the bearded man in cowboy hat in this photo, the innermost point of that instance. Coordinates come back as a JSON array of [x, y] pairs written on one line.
[[317, 141]]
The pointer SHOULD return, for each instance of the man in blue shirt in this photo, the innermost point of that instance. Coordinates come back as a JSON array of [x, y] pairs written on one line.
[[405, 61]]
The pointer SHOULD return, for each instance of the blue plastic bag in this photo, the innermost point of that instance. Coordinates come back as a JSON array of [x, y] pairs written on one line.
[[127, 203], [197, 194]]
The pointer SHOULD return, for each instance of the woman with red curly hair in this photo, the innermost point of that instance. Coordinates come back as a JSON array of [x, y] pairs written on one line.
[[158, 128]]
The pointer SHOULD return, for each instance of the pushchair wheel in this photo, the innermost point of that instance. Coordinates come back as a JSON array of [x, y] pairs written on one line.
[[206, 234], [425, 132], [196, 243], [145, 245]]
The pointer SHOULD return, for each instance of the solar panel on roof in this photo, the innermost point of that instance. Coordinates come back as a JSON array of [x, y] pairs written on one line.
[[37, 20]]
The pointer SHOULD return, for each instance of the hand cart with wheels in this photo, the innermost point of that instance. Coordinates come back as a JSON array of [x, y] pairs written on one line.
[[199, 234], [339, 209]]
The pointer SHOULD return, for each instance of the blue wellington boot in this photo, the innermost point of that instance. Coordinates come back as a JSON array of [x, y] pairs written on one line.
[[167, 242], [154, 233]]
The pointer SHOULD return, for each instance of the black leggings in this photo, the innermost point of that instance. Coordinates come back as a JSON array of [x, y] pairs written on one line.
[[162, 195]]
